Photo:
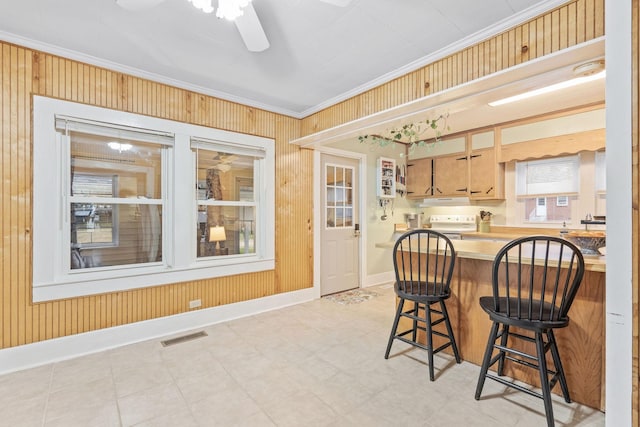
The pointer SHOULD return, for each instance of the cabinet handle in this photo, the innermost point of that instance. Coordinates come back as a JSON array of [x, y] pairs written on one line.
[[473, 156], [475, 192], [489, 190], [462, 158], [438, 190], [462, 189]]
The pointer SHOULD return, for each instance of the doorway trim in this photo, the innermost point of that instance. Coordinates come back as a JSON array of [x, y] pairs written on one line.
[[317, 204]]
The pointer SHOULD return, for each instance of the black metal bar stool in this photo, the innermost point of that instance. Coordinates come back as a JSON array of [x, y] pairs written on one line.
[[535, 280], [423, 261]]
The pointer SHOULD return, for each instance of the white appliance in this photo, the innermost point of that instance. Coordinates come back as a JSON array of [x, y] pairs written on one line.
[[453, 225]]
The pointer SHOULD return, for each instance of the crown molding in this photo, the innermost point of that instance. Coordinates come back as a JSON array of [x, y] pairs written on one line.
[[114, 66]]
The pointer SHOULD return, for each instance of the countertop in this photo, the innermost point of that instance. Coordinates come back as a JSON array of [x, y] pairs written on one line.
[[486, 250]]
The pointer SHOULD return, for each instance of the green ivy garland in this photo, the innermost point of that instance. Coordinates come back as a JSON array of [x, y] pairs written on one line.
[[411, 134]]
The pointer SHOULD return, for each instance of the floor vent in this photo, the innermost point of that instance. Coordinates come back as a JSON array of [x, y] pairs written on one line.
[[184, 338]]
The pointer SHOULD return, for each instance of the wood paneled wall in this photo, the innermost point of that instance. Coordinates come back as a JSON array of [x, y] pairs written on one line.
[[24, 73], [576, 22]]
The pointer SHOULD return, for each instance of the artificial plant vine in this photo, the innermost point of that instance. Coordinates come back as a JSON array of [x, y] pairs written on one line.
[[412, 134]]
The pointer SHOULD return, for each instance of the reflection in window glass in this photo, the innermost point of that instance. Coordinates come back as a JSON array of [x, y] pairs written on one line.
[[331, 175], [331, 196], [226, 202], [115, 202], [348, 217]]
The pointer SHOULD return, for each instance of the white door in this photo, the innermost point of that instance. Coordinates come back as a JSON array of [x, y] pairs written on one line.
[[339, 225]]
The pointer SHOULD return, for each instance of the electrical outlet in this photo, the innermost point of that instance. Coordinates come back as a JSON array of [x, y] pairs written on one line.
[[195, 303]]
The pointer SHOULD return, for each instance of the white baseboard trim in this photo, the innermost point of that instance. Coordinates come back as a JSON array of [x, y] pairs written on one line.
[[57, 349], [379, 279]]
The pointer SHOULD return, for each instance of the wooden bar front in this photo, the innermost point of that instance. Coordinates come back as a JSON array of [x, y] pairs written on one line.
[[581, 344]]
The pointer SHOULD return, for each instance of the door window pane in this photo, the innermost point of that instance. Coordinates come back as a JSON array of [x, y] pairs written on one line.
[[339, 196]]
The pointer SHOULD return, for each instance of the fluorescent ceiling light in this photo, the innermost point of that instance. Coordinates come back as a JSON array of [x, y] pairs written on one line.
[[547, 89]]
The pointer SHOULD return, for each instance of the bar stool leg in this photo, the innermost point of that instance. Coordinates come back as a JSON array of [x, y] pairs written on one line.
[[447, 323], [503, 342], [487, 359], [394, 328], [558, 364], [427, 314], [544, 380], [416, 312]]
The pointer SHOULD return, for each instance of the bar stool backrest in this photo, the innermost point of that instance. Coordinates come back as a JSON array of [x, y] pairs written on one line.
[[423, 261], [536, 278]]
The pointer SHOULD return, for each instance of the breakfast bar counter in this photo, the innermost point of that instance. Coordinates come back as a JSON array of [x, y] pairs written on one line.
[[581, 344], [487, 249]]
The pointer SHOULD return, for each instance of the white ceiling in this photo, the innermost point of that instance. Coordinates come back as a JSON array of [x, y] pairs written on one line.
[[319, 53]]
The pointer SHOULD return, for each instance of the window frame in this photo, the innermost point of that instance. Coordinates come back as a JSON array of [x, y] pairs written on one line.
[[52, 282]]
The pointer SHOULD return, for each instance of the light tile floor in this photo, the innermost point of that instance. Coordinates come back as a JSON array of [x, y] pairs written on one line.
[[315, 364]]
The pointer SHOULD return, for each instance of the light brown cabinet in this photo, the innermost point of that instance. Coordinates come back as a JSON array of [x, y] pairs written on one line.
[[419, 178], [485, 175], [463, 166], [450, 176]]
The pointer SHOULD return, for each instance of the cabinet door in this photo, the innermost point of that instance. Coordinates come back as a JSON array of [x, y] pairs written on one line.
[[419, 183], [483, 178], [450, 176]]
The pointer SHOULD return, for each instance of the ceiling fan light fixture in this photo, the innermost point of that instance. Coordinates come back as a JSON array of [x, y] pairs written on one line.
[[231, 9], [203, 5]]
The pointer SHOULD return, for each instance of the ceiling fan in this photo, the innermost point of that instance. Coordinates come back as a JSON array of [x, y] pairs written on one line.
[[242, 13]]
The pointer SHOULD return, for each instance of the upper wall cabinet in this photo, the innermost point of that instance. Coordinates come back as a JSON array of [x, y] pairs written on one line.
[[462, 166], [419, 178], [450, 175], [486, 175]]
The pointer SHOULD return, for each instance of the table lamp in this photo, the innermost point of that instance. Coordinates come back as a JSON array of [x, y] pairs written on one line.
[[217, 234]]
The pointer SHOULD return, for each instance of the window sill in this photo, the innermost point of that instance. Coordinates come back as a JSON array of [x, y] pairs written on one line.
[[80, 285]]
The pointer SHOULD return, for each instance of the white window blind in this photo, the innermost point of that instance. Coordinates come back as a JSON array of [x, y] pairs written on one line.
[[556, 176], [112, 130]]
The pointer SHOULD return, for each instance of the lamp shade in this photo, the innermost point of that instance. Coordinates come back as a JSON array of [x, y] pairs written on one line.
[[217, 234]]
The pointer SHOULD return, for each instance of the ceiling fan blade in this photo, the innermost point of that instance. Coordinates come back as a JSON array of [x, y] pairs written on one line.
[[138, 4], [251, 30], [341, 3]]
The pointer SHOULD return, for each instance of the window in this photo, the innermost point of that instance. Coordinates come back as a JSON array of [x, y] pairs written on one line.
[[110, 198], [548, 188], [226, 205], [106, 176]]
